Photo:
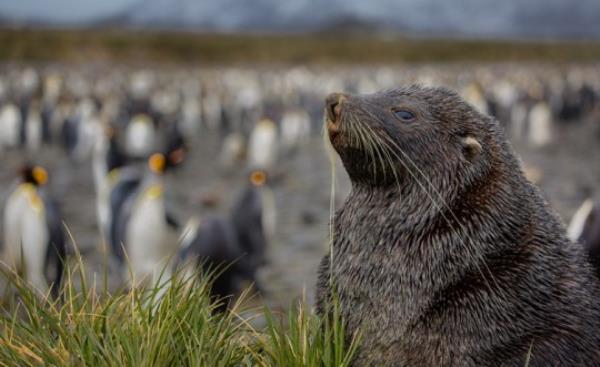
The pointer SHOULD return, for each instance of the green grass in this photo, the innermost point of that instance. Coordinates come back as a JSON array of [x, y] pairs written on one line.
[[94, 45], [91, 327]]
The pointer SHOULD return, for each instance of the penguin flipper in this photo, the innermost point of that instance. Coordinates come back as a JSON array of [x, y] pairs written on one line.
[[56, 250], [171, 221]]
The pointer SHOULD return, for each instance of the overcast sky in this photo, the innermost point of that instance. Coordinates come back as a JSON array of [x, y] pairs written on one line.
[[62, 10]]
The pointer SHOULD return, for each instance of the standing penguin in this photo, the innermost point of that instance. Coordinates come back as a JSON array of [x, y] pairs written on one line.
[[540, 125], [33, 127], [295, 128], [10, 126], [140, 137], [262, 145], [34, 239], [211, 245], [143, 232], [107, 159], [253, 217]]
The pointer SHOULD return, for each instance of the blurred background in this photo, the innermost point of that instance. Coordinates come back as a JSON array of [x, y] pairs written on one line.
[[90, 87]]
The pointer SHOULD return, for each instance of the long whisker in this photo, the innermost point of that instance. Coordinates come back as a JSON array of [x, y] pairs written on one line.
[[377, 150], [434, 189]]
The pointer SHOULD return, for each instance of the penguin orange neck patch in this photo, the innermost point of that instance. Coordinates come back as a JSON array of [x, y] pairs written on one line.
[[154, 192], [40, 175], [258, 178], [157, 163]]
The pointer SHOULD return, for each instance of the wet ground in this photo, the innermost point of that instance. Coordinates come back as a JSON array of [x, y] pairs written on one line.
[[302, 194]]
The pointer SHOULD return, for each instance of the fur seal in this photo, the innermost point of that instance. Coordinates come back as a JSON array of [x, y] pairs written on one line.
[[443, 254]]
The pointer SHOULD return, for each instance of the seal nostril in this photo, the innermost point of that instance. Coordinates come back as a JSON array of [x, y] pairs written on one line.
[[334, 111], [334, 106]]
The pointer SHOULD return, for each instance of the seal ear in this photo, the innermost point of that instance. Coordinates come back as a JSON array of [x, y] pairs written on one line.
[[471, 147]]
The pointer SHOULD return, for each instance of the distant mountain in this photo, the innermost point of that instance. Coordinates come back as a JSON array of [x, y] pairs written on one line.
[[470, 18]]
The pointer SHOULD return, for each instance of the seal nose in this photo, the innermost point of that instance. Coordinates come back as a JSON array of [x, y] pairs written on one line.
[[333, 105]]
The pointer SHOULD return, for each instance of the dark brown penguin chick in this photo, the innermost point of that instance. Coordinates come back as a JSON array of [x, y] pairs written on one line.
[[443, 253]]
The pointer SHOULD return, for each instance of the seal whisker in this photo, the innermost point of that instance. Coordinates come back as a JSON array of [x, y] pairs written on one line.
[[372, 147], [479, 259], [389, 143]]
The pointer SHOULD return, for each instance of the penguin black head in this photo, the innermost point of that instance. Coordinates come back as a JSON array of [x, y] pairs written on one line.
[[35, 175], [159, 163]]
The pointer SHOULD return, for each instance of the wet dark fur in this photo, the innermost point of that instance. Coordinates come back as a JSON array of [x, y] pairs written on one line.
[[476, 281]]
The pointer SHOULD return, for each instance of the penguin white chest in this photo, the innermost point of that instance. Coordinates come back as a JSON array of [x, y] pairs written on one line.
[[10, 121], [34, 131], [13, 225], [150, 245], [540, 125], [26, 235], [262, 148], [140, 138]]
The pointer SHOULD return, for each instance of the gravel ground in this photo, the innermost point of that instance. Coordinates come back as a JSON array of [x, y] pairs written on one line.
[[302, 196]]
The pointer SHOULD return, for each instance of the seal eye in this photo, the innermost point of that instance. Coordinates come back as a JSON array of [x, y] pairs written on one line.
[[404, 115]]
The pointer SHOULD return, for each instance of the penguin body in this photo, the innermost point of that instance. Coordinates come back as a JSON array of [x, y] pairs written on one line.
[[34, 238], [10, 126], [122, 196], [262, 145], [540, 125], [295, 128], [253, 217], [33, 127], [143, 233], [191, 110], [150, 236], [211, 245], [108, 159], [140, 138], [232, 151], [80, 131]]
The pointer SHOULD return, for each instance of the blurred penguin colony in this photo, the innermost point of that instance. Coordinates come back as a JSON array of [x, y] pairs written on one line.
[[131, 131]]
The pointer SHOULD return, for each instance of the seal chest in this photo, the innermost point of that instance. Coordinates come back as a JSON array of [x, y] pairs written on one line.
[[443, 253]]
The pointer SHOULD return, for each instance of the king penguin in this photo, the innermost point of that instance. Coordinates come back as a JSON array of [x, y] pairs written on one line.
[[143, 232], [253, 217], [107, 160], [34, 239], [262, 145]]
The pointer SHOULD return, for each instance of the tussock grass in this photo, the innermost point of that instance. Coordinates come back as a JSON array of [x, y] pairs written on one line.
[[91, 327]]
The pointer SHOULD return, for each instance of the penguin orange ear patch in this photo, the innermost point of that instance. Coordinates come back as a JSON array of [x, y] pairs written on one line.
[[39, 175], [258, 178], [157, 163]]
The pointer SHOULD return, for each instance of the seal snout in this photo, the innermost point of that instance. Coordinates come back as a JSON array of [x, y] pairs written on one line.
[[333, 109]]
